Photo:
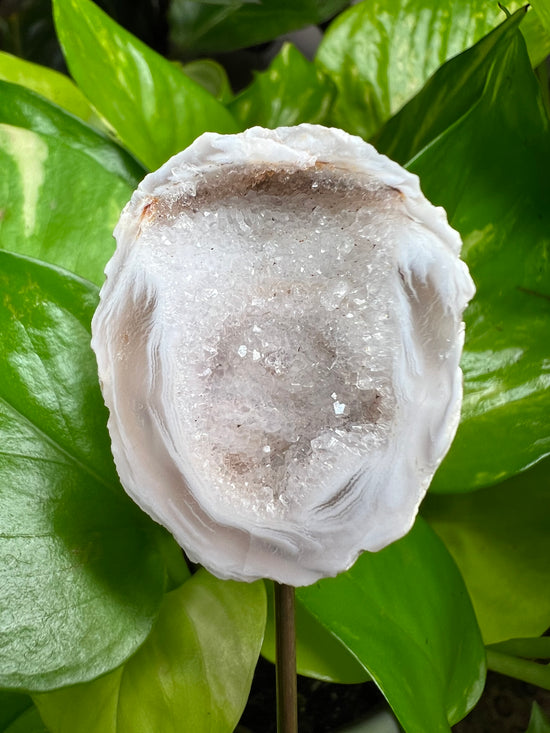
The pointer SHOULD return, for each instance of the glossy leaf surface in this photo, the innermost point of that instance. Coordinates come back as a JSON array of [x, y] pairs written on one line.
[[81, 576], [406, 609], [488, 169], [63, 185], [24, 108], [451, 93], [193, 672], [500, 539], [291, 91], [319, 654], [155, 109], [381, 52], [49, 83], [214, 27]]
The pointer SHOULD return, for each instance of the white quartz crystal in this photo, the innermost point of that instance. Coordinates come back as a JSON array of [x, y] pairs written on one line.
[[278, 343]]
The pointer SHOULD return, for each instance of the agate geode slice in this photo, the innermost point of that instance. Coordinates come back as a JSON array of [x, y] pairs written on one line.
[[278, 342]]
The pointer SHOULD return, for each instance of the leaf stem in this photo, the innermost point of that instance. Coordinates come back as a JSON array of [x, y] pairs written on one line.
[[285, 631], [522, 669]]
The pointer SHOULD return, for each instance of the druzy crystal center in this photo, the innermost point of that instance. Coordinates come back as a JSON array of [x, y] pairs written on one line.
[[280, 315]]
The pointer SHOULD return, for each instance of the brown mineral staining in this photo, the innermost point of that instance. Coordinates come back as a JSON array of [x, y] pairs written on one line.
[[149, 209], [321, 180], [148, 213]]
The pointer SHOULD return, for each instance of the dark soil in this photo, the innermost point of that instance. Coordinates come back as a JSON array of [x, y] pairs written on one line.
[[323, 707], [505, 707]]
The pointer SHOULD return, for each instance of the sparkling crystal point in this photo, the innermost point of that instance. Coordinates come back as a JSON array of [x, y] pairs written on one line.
[[278, 343]]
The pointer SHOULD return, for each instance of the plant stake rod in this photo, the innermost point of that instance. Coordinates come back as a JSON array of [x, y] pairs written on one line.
[[285, 630]]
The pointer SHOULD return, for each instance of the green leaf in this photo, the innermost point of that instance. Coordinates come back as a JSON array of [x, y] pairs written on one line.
[[537, 647], [500, 539], [450, 93], [26, 109], [521, 658], [537, 35], [488, 169], [12, 706], [291, 91], [405, 614], [28, 722], [210, 75], [318, 653], [214, 27], [193, 673], [542, 8], [381, 52], [525, 670], [62, 186], [542, 73], [52, 85], [155, 109], [539, 722], [81, 576], [177, 570]]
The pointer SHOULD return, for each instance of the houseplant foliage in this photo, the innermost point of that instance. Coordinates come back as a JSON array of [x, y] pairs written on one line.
[[97, 603]]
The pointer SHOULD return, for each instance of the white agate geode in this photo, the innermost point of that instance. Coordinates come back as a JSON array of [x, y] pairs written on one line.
[[278, 342]]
